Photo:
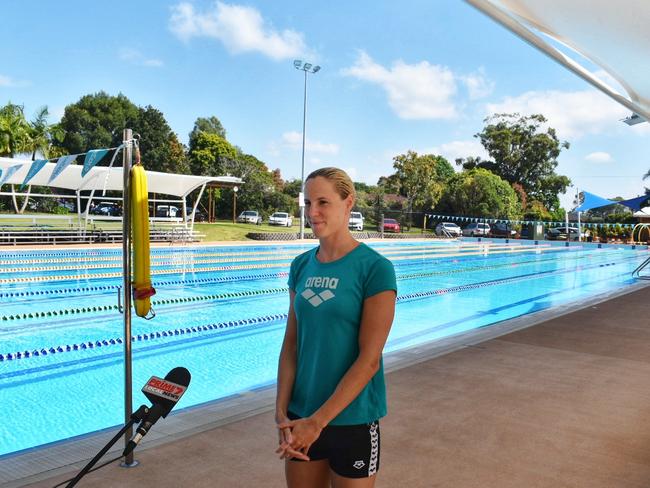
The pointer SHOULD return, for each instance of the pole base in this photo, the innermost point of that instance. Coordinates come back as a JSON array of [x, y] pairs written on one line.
[[124, 464]]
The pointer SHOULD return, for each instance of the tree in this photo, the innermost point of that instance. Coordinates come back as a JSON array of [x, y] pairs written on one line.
[[45, 138], [523, 152], [421, 178], [14, 130], [159, 146], [480, 193], [209, 154], [210, 125], [97, 121]]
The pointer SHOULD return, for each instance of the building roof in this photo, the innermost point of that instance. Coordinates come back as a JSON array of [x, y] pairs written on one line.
[[611, 35], [104, 178]]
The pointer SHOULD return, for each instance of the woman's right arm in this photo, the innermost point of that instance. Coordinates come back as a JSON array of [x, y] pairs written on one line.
[[286, 378], [287, 364]]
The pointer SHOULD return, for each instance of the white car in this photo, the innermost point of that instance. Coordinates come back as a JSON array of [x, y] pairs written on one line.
[[448, 229], [356, 221], [281, 218], [250, 217], [476, 229]]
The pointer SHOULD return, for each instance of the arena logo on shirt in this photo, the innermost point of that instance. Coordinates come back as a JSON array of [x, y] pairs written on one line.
[[319, 282], [322, 282]]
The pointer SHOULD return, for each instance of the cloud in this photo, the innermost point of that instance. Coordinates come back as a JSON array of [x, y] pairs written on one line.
[[134, 56], [461, 149], [478, 85], [239, 28], [415, 91], [293, 140], [599, 157], [572, 114], [8, 82]]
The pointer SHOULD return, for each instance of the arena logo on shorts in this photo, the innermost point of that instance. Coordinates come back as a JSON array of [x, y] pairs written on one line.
[[319, 282]]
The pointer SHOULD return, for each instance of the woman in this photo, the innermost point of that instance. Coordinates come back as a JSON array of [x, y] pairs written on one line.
[[331, 389]]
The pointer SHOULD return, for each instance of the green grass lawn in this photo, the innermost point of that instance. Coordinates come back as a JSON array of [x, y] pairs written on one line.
[[219, 231], [227, 231]]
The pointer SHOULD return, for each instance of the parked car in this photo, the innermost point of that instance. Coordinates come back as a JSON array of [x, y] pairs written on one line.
[[250, 217], [107, 209], [501, 229], [477, 229], [560, 233], [448, 229], [390, 225], [200, 216], [356, 221], [281, 218], [167, 211]]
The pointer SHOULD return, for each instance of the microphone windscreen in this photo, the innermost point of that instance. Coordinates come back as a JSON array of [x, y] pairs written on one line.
[[180, 376], [166, 392]]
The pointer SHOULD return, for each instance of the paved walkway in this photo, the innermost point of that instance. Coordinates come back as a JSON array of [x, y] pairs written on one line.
[[565, 403]]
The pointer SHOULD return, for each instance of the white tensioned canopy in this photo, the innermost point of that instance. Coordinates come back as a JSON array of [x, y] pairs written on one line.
[[613, 35], [103, 178]]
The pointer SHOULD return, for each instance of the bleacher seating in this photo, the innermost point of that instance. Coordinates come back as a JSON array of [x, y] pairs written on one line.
[[44, 234]]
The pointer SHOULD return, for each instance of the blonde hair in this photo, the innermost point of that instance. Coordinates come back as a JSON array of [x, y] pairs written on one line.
[[342, 182]]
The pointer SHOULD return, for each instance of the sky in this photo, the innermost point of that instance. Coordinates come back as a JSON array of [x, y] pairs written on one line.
[[395, 76]]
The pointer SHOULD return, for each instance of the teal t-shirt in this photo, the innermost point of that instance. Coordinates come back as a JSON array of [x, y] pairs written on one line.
[[328, 306]]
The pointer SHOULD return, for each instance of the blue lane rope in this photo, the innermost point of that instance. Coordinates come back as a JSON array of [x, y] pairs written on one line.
[[270, 318]]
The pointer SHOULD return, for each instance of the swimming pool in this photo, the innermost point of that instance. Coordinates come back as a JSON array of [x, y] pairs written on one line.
[[221, 314]]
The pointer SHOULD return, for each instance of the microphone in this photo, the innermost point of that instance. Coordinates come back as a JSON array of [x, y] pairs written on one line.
[[164, 394]]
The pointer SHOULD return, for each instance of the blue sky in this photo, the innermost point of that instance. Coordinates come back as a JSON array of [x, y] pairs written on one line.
[[395, 76]]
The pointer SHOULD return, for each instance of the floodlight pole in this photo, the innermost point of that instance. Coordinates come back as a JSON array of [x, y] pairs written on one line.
[[307, 68], [127, 157]]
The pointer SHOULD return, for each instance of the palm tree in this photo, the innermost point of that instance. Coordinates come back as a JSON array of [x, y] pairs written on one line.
[[44, 136], [14, 130]]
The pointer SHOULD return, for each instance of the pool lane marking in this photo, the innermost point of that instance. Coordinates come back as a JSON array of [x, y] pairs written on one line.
[[191, 255], [486, 251], [234, 279], [520, 249], [191, 259], [402, 298]]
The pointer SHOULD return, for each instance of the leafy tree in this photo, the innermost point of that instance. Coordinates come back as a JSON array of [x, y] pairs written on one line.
[[481, 193], [278, 182], [523, 152], [14, 130], [293, 187], [44, 137], [258, 190], [97, 121], [209, 125], [209, 154], [159, 146], [421, 178]]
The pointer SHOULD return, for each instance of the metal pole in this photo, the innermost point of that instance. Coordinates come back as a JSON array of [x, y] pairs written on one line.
[[234, 205], [302, 167], [127, 157]]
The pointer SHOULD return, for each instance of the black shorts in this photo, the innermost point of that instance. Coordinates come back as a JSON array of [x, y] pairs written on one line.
[[352, 450]]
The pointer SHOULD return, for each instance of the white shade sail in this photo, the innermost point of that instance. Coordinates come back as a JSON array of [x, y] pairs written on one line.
[[101, 177], [612, 35]]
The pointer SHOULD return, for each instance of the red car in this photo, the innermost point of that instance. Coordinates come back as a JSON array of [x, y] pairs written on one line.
[[390, 225]]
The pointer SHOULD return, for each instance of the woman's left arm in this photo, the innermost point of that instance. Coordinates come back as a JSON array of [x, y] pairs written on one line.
[[376, 320]]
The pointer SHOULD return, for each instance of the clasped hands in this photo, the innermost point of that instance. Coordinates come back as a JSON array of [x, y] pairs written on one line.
[[296, 437]]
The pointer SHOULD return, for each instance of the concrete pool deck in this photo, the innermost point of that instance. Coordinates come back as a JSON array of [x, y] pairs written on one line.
[[565, 402]]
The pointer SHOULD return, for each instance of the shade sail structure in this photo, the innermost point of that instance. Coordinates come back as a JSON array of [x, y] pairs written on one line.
[[612, 35], [593, 201], [636, 203], [103, 178]]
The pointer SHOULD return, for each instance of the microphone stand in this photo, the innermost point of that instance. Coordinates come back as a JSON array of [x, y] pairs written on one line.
[[135, 417]]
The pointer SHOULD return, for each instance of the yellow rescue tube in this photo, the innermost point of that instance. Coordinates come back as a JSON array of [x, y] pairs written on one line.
[[142, 289]]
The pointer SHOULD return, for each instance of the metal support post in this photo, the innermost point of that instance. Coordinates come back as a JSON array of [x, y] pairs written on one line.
[[127, 158]]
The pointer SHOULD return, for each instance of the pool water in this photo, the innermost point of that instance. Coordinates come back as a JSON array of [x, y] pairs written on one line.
[[221, 311]]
